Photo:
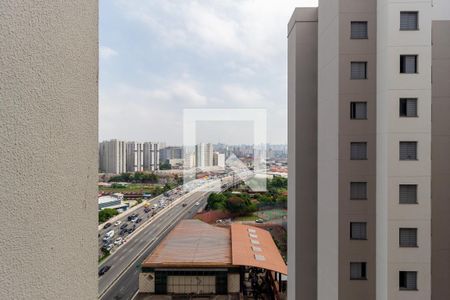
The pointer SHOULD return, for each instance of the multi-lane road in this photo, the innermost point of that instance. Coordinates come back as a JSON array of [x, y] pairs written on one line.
[[121, 281]]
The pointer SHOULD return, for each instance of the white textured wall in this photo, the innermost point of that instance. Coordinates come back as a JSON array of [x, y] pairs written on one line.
[[48, 149]]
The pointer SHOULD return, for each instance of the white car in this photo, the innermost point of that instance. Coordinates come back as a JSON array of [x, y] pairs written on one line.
[[117, 223], [197, 203], [118, 241]]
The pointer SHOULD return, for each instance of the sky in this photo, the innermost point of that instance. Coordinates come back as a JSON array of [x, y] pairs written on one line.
[[158, 57]]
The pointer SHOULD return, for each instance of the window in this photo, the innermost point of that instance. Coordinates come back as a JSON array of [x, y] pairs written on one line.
[[358, 70], [408, 107], [358, 271], [408, 150], [358, 151], [358, 230], [409, 20], [358, 110], [408, 194], [359, 30], [358, 190], [408, 64], [408, 280], [408, 237]]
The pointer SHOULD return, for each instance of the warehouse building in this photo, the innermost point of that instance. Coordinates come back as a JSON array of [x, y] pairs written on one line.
[[200, 259]]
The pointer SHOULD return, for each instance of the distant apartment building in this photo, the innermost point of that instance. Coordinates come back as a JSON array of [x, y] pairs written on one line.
[[135, 157], [219, 159], [189, 160], [369, 144], [170, 153], [112, 156], [204, 155], [151, 156]]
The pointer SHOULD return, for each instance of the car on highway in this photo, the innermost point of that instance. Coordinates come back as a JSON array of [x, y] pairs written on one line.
[[184, 205], [130, 230], [108, 247], [138, 220], [131, 217], [118, 241], [123, 226], [259, 221], [197, 203], [107, 225], [146, 210], [103, 270], [117, 223]]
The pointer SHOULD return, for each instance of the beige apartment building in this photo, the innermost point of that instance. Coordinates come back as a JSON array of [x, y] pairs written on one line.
[[369, 144]]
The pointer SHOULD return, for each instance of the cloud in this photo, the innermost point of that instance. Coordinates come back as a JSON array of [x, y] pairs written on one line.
[[191, 53], [106, 53]]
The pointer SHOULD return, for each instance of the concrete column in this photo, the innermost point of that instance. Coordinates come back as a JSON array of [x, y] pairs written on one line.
[[48, 149]]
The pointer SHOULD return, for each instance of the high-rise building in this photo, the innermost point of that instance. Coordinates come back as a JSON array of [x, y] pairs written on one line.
[[135, 157], [219, 159], [151, 156], [112, 156], [369, 138], [204, 155], [170, 153]]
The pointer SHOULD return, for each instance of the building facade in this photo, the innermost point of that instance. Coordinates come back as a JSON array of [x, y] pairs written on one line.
[[219, 159], [170, 153], [135, 157], [368, 91], [112, 156], [204, 155], [151, 156]]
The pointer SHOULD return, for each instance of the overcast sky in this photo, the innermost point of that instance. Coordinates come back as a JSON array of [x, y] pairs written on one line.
[[158, 57]]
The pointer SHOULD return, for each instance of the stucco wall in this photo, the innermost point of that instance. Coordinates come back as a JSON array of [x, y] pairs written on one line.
[[48, 149]]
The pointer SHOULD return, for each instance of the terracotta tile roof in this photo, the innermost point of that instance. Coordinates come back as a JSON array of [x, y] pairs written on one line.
[[252, 246], [193, 243]]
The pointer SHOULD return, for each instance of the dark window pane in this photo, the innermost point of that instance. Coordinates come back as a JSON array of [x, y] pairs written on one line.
[[359, 30], [408, 107], [358, 110], [358, 230], [358, 270], [408, 194], [358, 151], [358, 70], [409, 20], [408, 64], [408, 237], [358, 190], [408, 150], [408, 280]]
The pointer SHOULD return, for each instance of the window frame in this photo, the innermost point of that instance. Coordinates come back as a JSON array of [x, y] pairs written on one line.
[[417, 150], [353, 110], [365, 231], [406, 99], [366, 186], [363, 270], [416, 12], [359, 22], [416, 245], [365, 153], [400, 280], [416, 193], [402, 67], [365, 70]]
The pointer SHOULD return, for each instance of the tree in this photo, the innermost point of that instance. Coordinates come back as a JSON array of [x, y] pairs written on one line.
[[165, 166], [217, 201], [106, 214]]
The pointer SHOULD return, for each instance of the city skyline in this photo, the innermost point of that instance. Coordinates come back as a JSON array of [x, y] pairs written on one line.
[[214, 54]]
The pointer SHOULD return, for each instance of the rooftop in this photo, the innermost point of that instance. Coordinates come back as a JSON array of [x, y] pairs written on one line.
[[193, 243]]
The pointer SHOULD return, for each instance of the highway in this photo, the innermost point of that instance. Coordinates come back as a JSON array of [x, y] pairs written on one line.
[[121, 281]]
